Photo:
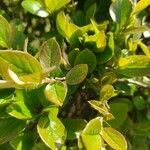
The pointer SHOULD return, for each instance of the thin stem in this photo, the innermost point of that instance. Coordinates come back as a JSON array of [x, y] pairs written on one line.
[[138, 83]]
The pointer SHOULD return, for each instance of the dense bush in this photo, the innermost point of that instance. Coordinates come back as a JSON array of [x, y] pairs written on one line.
[[74, 75]]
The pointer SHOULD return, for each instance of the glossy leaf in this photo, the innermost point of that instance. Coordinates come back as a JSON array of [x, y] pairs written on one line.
[[5, 32], [135, 65], [120, 11], [20, 67], [10, 128], [65, 27], [108, 52], [86, 57], [77, 74], [19, 110], [90, 136], [35, 7], [141, 5], [145, 48], [96, 42], [101, 108], [51, 131], [53, 5], [107, 91], [74, 127], [56, 93], [114, 138], [50, 54]]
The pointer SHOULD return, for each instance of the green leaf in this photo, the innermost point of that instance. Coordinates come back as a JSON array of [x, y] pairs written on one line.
[[141, 5], [90, 136], [96, 42], [107, 91], [10, 128], [67, 29], [101, 108], [90, 12], [53, 5], [135, 65], [3, 107], [19, 110], [56, 93], [72, 56], [86, 57], [119, 111], [145, 48], [77, 74], [35, 7], [20, 67], [50, 54], [108, 52], [114, 138], [23, 142], [120, 11], [51, 131], [5, 32], [139, 102], [40, 146], [74, 127]]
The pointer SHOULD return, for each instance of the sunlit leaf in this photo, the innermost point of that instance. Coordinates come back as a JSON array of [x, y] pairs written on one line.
[[20, 67], [50, 54], [101, 108], [141, 5], [77, 74], [56, 93], [114, 138], [90, 136], [145, 48], [5, 32], [134, 65], [120, 11], [107, 91], [35, 7], [51, 131], [67, 29], [53, 5], [19, 110]]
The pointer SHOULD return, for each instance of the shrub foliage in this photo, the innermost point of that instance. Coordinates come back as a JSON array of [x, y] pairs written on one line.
[[74, 75]]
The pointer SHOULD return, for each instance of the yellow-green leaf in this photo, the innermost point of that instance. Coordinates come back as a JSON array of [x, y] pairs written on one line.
[[114, 138], [50, 54], [134, 65], [90, 136], [101, 108], [64, 26], [35, 7], [54, 5], [145, 48], [51, 131], [107, 91], [56, 93], [20, 67], [5, 32], [141, 5]]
